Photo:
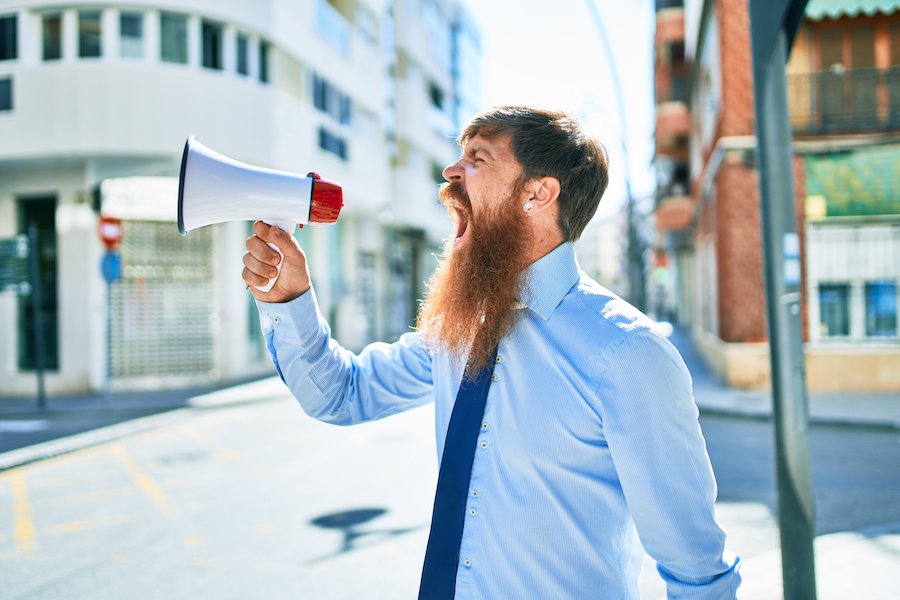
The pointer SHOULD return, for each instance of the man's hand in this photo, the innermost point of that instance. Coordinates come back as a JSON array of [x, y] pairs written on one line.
[[260, 264]]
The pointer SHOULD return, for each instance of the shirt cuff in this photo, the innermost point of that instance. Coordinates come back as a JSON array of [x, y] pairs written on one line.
[[298, 320]]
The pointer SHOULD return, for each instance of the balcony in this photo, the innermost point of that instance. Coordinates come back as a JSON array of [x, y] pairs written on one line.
[[673, 128], [844, 101], [674, 213], [663, 4]]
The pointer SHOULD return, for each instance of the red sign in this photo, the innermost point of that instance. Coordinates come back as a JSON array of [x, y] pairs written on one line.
[[110, 231]]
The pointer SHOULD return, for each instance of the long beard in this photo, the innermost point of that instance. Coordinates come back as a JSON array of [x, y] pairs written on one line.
[[471, 300]]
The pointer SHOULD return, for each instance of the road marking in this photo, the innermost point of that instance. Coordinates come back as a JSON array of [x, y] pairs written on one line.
[[24, 531], [75, 526], [146, 483], [226, 451]]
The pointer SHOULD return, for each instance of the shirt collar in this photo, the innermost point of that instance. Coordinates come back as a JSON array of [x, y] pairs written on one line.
[[549, 279]]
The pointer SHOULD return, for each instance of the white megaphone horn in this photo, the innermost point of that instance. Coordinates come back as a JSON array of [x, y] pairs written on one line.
[[213, 188]]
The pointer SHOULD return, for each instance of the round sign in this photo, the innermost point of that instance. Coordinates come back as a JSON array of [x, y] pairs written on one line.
[[110, 231], [111, 267]]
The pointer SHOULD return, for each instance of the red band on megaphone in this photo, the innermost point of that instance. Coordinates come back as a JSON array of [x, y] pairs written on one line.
[[326, 202]]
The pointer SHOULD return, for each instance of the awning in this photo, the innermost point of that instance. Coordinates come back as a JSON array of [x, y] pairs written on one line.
[[817, 10]]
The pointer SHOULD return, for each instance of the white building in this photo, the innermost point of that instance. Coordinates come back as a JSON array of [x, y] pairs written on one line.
[[96, 101]]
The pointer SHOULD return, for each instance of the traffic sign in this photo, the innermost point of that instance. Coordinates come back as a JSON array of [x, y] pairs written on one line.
[[111, 266], [110, 231], [14, 264]]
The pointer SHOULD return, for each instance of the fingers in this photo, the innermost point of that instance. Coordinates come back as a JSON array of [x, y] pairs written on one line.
[[262, 270], [279, 237], [261, 251]]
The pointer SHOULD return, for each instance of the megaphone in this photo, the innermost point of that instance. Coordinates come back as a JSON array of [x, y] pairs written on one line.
[[213, 188]]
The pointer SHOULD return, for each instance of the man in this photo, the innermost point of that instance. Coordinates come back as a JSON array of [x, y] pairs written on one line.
[[588, 444]]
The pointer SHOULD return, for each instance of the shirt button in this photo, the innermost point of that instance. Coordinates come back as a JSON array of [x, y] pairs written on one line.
[[499, 359], [484, 426], [467, 562], [483, 447], [495, 377], [473, 512], [277, 319], [475, 493]]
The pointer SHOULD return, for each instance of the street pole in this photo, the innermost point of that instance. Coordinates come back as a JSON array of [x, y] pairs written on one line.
[[782, 275], [107, 369], [636, 279], [37, 309]]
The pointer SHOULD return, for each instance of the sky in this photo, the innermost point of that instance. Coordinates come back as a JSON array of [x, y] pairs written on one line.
[[549, 52]]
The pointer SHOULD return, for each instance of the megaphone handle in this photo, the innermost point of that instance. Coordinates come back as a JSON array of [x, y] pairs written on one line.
[[288, 226]]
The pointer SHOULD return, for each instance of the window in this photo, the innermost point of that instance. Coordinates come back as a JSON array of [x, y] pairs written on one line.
[[330, 142], [264, 61], [834, 309], [131, 35], [211, 36], [6, 93], [894, 28], [881, 309], [89, 34], [8, 38], [862, 45], [329, 100], [52, 33], [173, 38], [242, 66], [830, 48], [436, 95]]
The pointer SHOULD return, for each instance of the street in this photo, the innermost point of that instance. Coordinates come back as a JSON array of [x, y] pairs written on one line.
[[260, 501]]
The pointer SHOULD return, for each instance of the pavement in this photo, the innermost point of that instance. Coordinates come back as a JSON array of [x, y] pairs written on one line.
[[66, 424]]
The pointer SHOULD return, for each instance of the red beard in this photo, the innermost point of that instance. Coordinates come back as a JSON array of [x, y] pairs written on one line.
[[471, 301]]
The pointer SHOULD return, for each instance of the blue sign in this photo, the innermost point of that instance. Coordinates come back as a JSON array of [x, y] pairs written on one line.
[[111, 267]]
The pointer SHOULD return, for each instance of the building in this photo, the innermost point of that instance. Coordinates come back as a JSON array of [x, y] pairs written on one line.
[[96, 101], [842, 85]]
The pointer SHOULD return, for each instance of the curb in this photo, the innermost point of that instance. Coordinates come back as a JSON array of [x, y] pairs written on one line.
[[833, 421], [80, 441], [255, 392]]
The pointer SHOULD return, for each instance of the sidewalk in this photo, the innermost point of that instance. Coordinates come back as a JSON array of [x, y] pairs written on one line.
[[69, 423], [865, 409]]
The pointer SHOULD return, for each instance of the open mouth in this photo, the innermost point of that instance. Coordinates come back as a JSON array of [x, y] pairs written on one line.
[[462, 225]]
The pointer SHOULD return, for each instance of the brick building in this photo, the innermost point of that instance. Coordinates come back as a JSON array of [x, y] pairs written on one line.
[[844, 93]]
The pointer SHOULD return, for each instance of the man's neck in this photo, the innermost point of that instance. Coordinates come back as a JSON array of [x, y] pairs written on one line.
[[545, 242]]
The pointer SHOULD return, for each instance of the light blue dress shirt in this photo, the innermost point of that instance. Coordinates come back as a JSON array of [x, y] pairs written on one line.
[[589, 447]]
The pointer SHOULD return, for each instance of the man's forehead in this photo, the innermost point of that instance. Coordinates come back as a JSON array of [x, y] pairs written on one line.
[[494, 146]]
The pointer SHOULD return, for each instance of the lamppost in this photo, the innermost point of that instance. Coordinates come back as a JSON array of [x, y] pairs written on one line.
[[636, 278]]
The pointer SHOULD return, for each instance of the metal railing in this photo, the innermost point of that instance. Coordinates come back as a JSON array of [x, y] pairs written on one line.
[[845, 100], [661, 4]]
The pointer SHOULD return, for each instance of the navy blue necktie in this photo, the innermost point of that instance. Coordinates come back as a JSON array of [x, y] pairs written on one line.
[[448, 518]]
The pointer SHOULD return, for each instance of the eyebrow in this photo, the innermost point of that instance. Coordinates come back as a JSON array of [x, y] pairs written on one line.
[[478, 150]]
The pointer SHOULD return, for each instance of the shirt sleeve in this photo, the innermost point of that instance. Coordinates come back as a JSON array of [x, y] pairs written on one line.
[[651, 425], [333, 384]]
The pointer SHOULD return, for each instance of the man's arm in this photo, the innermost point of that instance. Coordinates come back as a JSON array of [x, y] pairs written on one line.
[[331, 383], [650, 424]]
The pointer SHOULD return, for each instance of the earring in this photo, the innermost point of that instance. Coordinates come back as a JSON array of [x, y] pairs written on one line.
[[527, 206]]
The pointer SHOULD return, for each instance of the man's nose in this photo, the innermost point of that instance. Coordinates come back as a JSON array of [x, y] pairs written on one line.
[[453, 172]]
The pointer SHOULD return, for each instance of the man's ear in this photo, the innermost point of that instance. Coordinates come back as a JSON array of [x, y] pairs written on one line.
[[544, 193]]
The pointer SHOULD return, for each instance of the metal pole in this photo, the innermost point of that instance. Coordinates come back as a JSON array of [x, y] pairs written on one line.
[[782, 273], [636, 279], [107, 371], [34, 273]]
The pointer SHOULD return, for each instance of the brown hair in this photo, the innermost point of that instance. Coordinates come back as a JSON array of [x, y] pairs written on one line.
[[551, 143]]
